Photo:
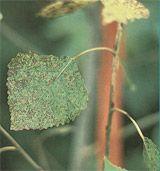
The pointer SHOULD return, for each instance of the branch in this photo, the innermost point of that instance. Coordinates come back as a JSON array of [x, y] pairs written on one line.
[[20, 149], [115, 65]]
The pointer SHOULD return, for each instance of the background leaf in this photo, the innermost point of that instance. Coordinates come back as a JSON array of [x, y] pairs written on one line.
[[151, 155], [60, 8], [37, 100], [111, 167]]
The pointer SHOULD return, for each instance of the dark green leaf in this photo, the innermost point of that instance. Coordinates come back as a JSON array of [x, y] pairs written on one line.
[[111, 167], [37, 100], [151, 155]]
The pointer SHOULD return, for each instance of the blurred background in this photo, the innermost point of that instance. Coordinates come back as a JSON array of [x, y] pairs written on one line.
[[72, 146]]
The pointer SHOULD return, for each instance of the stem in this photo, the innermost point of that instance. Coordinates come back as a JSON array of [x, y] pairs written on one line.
[[78, 56], [145, 122], [91, 50], [20, 149], [8, 148], [132, 120], [115, 65]]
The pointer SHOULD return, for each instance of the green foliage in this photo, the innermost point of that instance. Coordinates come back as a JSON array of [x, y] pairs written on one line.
[[151, 155], [38, 96], [111, 167]]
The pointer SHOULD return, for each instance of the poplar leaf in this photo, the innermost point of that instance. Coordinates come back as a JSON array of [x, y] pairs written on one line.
[[151, 155], [59, 8], [111, 167], [37, 98], [123, 11]]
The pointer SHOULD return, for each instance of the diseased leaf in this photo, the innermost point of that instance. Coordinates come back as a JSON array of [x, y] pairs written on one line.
[[37, 98], [111, 167], [59, 8], [151, 155], [123, 11]]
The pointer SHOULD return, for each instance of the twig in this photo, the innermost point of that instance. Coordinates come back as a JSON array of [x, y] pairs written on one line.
[[115, 65], [132, 120], [20, 149], [7, 148]]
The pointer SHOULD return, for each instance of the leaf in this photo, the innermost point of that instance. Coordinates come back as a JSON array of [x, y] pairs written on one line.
[[37, 100], [59, 8], [111, 167], [151, 155], [123, 10]]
